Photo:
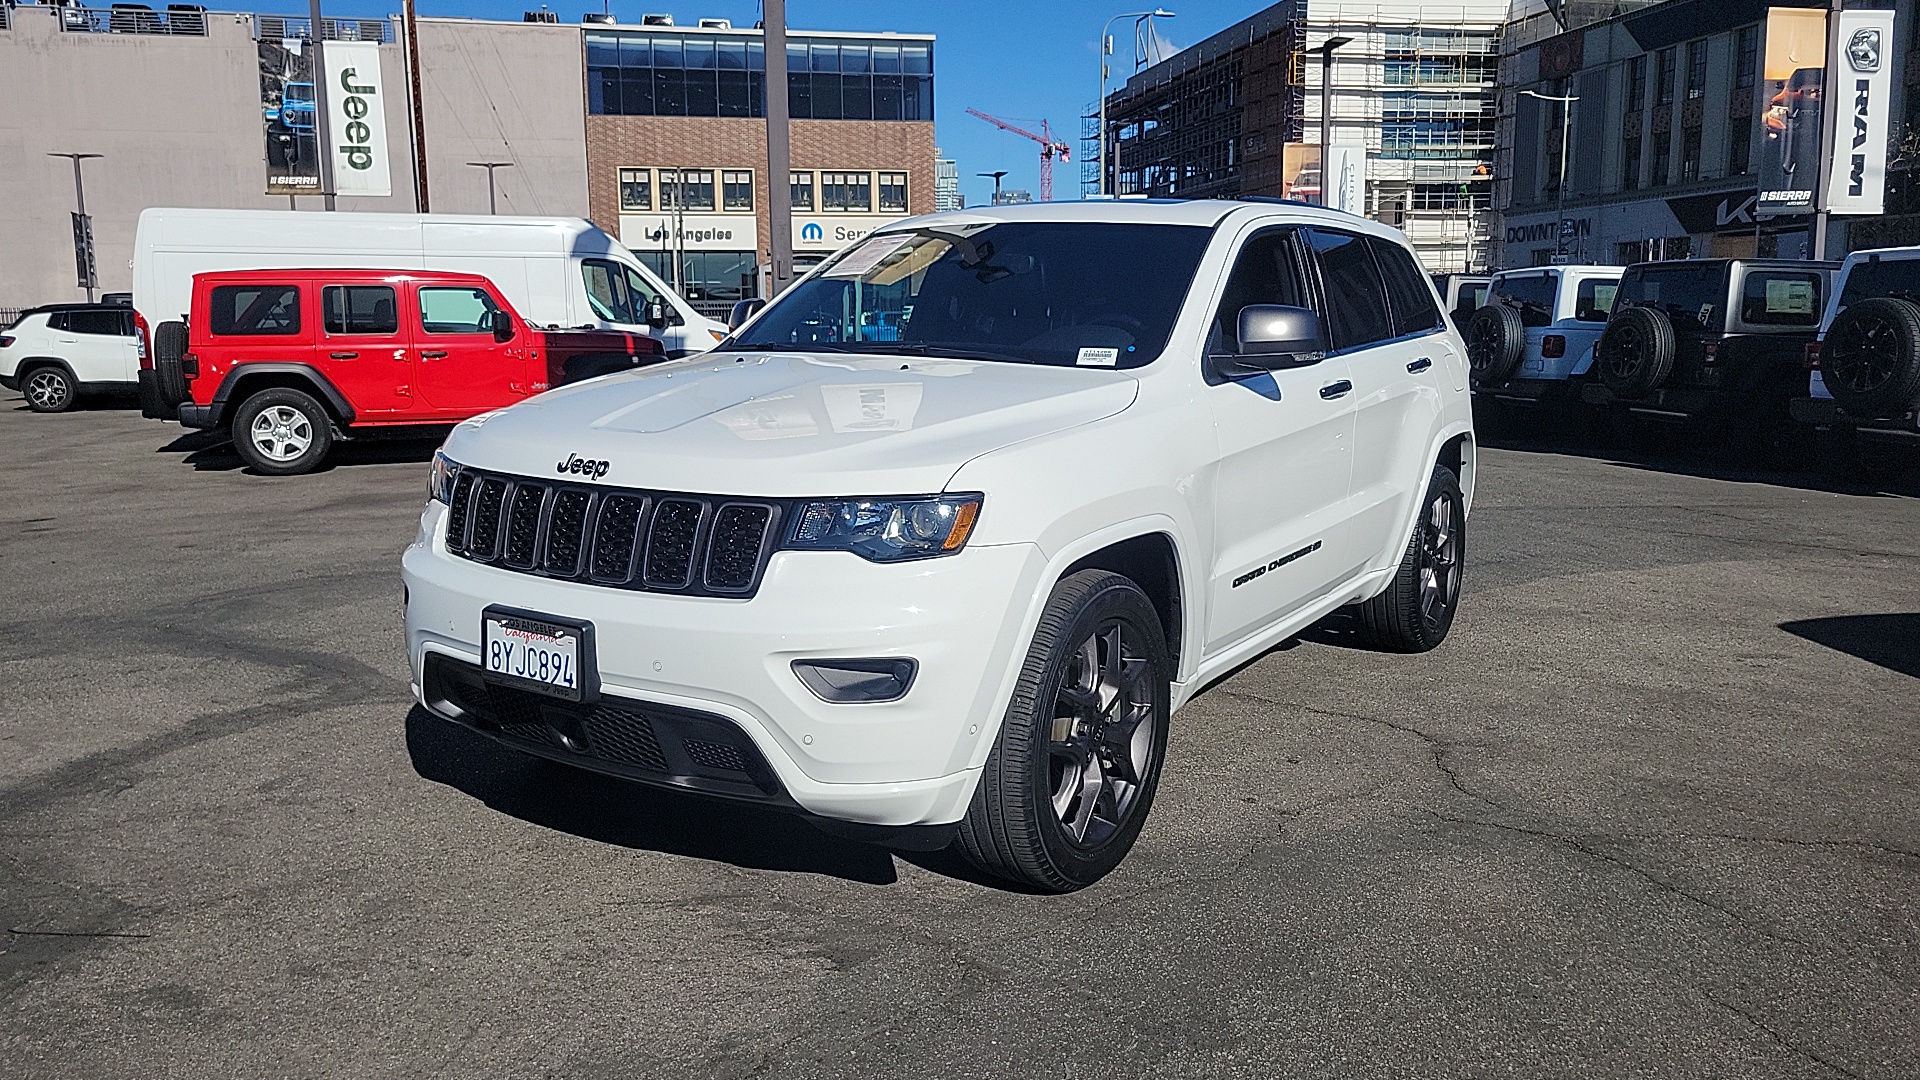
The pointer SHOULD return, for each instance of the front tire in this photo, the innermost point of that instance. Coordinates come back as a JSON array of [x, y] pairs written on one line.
[[282, 432], [49, 389], [1417, 608], [1077, 761]]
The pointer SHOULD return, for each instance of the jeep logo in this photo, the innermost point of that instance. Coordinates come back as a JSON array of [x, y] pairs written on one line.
[[358, 134], [583, 466]]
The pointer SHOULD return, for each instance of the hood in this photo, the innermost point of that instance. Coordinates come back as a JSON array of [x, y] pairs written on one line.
[[788, 424]]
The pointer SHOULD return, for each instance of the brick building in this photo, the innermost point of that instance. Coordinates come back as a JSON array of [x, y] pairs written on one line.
[[676, 146]]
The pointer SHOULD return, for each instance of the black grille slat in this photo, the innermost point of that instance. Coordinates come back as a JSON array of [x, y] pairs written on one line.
[[487, 506], [692, 545], [619, 735], [523, 524], [566, 532], [615, 535], [733, 553], [715, 755], [459, 511], [670, 543]]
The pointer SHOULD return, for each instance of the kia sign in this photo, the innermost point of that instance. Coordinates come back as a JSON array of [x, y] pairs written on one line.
[[1862, 77], [357, 118]]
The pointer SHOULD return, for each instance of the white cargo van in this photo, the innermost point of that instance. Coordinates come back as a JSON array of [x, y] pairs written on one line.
[[559, 272]]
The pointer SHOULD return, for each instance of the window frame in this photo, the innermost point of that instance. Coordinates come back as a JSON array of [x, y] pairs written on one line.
[[841, 179], [730, 179], [347, 328], [793, 189], [1306, 277], [880, 187], [293, 329], [420, 302], [1318, 259], [704, 179], [646, 179]]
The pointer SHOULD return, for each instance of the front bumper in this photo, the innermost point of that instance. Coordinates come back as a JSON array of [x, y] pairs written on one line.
[[913, 761]]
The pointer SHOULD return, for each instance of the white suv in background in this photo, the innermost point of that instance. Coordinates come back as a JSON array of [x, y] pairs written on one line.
[[1536, 331], [55, 354], [935, 544]]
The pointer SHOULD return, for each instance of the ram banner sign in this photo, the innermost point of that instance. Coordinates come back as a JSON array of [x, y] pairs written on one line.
[[356, 118], [1861, 73]]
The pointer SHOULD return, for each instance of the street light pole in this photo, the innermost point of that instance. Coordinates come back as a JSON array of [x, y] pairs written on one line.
[[322, 123], [1106, 50], [1326, 107], [80, 196], [779, 149], [996, 184], [490, 166], [1560, 195]]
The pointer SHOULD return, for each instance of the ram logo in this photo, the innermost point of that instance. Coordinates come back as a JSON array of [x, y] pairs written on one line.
[[1863, 49]]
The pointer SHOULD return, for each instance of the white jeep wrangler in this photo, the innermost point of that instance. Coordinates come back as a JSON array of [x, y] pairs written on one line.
[[937, 542]]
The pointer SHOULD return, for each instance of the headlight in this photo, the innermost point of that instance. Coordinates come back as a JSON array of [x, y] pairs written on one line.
[[886, 530], [440, 481]]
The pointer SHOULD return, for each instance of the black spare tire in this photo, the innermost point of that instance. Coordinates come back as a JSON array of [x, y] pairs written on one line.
[[1870, 359], [1635, 352], [169, 348], [1496, 339]]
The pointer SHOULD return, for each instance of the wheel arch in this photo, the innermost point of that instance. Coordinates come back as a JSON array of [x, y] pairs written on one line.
[[247, 379], [30, 364], [1459, 454], [1150, 560]]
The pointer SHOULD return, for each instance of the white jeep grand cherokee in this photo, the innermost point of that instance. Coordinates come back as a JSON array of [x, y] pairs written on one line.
[[937, 542]]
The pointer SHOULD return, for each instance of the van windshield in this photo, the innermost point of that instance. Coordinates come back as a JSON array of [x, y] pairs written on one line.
[[1091, 294], [618, 294]]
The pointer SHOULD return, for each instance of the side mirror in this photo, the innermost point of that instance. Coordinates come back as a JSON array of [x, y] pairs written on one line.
[[1274, 336], [502, 326], [657, 313], [744, 310]]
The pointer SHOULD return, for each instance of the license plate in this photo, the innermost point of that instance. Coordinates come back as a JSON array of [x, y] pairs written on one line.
[[538, 652]]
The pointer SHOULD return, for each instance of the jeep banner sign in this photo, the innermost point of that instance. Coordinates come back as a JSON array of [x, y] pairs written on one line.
[[1796, 58], [1862, 74], [356, 118], [288, 117]]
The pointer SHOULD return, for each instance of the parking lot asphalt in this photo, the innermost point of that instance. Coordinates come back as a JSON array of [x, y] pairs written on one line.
[[1653, 810]]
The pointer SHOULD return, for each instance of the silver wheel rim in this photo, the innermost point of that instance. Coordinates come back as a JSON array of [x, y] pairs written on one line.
[[281, 433], [1101, 739], [48, 389], [1439, 560]]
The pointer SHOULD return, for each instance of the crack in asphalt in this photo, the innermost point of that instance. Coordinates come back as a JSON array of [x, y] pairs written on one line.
[[1779, 1038]]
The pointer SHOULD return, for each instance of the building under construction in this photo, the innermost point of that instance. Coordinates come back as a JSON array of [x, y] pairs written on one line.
[[1239, 114]]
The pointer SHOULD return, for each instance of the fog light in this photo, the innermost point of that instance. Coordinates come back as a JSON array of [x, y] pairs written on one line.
[[880, 678]]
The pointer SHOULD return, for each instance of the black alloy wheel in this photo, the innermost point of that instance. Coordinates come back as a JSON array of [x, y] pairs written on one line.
[[1416, 610], [1102, 738]]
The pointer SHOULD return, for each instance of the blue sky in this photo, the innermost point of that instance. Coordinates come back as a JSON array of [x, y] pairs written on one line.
[[1016, 60]]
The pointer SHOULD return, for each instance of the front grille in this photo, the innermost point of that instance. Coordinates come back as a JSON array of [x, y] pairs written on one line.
[[671, 542]]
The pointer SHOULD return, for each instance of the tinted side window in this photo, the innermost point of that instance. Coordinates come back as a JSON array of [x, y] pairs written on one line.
[[255, 309], [104, 323], [1356, 297], [1532, 294], [57, 320], [1594, 300], [456, 311], [1267, 271], [1780, 298], [1885, 277], [1414, 311], [360, 309]]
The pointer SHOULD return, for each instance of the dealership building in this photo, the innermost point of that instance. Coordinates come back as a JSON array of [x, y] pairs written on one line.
[[1669, 142], [654, 132]]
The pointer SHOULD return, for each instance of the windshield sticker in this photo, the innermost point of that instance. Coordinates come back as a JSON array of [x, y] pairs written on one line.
[[1098, 358], [868, 255], [882, 407]]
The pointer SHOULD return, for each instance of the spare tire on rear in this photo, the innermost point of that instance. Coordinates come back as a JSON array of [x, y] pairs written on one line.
[[1496, 339], [1635, 353], [1870, 359], [169, 348]]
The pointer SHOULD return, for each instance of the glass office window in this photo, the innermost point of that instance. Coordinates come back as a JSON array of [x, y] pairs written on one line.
[[736, 189], [801, 184], [685, 74], [636, 189], [846, 192], [893, 191]]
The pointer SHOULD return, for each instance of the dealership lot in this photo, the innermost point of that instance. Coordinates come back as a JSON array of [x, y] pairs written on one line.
[[1654, 810]]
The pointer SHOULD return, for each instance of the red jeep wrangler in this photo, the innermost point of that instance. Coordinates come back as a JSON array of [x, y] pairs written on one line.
[[291, 360]]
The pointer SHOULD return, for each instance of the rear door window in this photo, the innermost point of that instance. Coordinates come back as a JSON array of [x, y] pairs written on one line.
[[101, 323], [1356, 306], [449, 310], [1899, 278], [1780, 298], [249, 310], [360, 309], [1593, 300], [1530, 294], [1413, 307]]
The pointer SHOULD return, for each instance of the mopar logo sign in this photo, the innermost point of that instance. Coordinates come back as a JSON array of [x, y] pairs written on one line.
[[810, 231]]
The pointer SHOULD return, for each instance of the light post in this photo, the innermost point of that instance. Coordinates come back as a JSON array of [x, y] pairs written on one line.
[[1326, 107], [1560, 194], [1106, 50], [83, 226], [996, 184], [490, 166]]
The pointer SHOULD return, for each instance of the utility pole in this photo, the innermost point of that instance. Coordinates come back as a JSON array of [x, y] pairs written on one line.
[[1106, 50], [322, 122], [1560, 200], [82, 228], [779, 150], [419, 112], [490, 166], [1326, 110], [1829, 118]]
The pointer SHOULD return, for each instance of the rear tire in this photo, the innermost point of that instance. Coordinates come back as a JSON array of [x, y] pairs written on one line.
[[1635, 352], [169, 349], [1074, 769], [1417, 608], [281, 431], [1496, 340], [1870, 359], [49, 389]]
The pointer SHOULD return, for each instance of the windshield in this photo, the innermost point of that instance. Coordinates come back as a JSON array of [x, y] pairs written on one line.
[[1692, 296], [299, 92], [1093, 294]]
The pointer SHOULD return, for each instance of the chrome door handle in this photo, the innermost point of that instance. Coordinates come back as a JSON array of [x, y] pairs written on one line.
[[1420, 365], [433, 354], [343, 356], [1336, 389]]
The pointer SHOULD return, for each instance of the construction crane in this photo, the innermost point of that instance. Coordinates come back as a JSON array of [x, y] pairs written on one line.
[[1049, 147]]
